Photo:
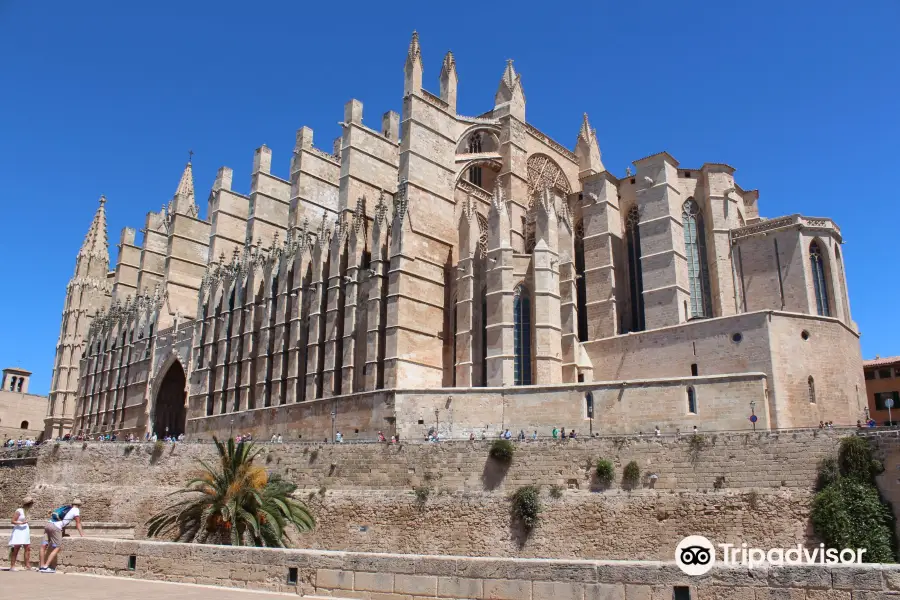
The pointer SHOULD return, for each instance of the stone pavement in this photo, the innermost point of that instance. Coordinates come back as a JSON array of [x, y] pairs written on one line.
[[91, 587]]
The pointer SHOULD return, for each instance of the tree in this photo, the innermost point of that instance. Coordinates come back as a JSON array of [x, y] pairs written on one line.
[[237, 503]]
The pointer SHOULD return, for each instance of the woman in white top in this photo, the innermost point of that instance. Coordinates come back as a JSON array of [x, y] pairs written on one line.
[[21, 536]]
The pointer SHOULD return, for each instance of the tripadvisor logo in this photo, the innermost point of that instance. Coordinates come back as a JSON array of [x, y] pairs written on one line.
[[696, 555]]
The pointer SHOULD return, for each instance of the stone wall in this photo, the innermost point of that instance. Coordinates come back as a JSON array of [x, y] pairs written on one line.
[[407, 577], [752, 487]]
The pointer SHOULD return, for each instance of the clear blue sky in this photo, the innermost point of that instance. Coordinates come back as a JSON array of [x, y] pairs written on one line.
[[99, 98]]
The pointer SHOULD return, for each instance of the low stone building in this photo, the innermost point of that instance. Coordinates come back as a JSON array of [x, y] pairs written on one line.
[[21, 414], [882, 377], [461, 274]]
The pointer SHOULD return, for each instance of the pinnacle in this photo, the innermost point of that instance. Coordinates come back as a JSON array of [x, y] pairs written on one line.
[[95, 242], [586, 133], [415, 52], [449, 62], [509, 74], [186, 184]]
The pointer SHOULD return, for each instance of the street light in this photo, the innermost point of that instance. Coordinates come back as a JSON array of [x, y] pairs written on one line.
[[231, 434], [753, 413], [437, 422], [589, 399]]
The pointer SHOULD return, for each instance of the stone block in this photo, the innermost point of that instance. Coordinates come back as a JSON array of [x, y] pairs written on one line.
[[373, 582], [507, 589], [780, 594], [856, 578], [810, 577], [557, 591], [604, 591], [460, 587], [416, 585], [333, 579], [638, 592], [828, 595]]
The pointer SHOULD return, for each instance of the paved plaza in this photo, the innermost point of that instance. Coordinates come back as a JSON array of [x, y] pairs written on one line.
[[90, 587]]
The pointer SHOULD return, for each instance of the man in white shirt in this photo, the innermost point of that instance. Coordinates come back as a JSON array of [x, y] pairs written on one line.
[[54, 533]]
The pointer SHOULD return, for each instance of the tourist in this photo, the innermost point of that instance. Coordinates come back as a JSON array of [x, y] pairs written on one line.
[[572, 434], [274, 438], [562, 433], [859, 424], [821, 425], [534, 435], [280, 439], [657, 431], [521, 435], [339, 437], [471, 436], [507, 435], [393, 439], [555, 433], [695, 430], [51, 547], [678, 432], [381, 436], [21, 536]]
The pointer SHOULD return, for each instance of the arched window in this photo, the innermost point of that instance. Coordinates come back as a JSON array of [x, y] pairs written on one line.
[[817, 263], [580, 283], [811, 384], [692, 401], [475, 148], [522, 335], [635, 277], [695, 251], [12, 384], [19, 384], [24, 425]]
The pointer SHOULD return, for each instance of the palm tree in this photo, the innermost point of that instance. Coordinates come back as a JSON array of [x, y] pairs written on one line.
[[237, 504]]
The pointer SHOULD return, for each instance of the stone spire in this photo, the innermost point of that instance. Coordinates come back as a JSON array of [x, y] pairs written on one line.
[[448, 81], [510, 91], [95, 248], [588, 150], [413, 70], [87, 294], [183, 202]]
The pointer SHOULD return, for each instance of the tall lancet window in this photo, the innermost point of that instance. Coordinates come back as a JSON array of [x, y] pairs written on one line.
[[475, 148], [820, 285], [522, 335], [695, 251], [635, 276]]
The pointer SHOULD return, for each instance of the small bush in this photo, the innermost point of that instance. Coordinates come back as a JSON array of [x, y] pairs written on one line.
[[829, 472], [556, 492], [422, 492], [631, 476], [129, 449], [753, 500], [526, 506], [502, 451], [719, 483], [856, 460], [606, 472], [850, 514]]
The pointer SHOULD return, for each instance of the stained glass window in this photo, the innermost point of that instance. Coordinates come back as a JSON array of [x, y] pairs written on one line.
[[522, 335], [816, 261], [695, 251], [635, 277]]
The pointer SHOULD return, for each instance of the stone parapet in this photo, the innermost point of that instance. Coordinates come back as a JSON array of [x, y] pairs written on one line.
[[411, 576]]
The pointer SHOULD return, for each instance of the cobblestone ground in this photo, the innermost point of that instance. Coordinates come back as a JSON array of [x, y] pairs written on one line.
[[86, 587]]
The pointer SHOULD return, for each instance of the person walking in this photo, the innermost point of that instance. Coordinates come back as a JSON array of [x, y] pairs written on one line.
[[51, 547], [21, 535]]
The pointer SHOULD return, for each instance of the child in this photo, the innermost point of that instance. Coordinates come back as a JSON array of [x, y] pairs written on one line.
[[21, 536]]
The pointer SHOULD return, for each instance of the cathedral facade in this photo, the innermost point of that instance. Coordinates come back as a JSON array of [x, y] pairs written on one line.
[[460, 274]]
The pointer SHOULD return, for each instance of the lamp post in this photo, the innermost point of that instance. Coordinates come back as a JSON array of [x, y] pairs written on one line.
[[437, 422], [333, 416], [753, 413], [231, 432], [589, 399]]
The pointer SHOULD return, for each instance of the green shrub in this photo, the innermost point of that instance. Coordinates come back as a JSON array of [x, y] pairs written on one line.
[[502, 451], [856, 460], [849, 514], [526, 506], [422, 492], [828, 473], [605, 471], [631, 476], [556, 492]]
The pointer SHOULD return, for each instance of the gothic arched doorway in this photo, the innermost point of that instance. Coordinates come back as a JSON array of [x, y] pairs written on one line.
[[169, 416]]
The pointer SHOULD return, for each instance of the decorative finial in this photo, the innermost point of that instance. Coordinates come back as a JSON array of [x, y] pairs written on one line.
[[627, 171], [190, 156], [102, 200]]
